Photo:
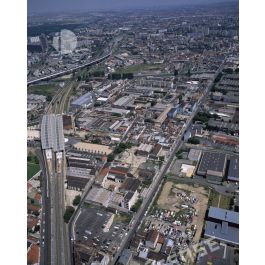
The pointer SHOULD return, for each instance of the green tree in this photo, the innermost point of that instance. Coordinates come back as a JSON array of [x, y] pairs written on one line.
[[77, 200], [68, 213], [162, 158], [110, 157], [137, 205], [36, 160], [96, 141], [194, 140]]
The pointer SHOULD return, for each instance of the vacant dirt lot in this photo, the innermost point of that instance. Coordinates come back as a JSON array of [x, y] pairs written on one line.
[[169, 200]]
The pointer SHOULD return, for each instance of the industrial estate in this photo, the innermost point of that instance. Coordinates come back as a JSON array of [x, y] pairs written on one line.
[[133, 138]]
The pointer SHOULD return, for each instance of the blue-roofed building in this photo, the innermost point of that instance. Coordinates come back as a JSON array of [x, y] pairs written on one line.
[[233, 170], [223, 225], [173, 112], [125, 257], [84, 101], [224, 215]]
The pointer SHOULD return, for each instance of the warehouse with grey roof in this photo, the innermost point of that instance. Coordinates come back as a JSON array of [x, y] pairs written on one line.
[[212, 166], [223, 225], [233, 170]]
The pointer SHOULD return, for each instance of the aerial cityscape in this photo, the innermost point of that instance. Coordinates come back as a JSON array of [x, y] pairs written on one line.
[[133, 136]]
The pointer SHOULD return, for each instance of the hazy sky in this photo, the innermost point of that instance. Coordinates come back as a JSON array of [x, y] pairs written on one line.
[[87, 5]]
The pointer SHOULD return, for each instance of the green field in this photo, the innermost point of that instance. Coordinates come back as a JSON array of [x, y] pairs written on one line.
[[140, 67], [47, 90], [219, 200], [32, 169]]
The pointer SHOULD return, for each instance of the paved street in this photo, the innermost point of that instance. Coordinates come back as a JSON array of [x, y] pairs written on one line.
[[157, 184]]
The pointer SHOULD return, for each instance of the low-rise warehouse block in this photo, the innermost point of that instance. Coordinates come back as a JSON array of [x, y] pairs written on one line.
[[212, 166]]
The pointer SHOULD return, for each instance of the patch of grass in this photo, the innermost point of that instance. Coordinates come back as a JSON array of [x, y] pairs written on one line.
[[32, 169], [47, 90], [122, 218], [225, 202], [214, 198]]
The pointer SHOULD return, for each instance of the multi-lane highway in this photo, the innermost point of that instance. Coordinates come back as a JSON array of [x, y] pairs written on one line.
[[68, 71], [106, 53]]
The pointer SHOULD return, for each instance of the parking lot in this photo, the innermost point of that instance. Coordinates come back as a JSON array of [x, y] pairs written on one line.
[[189, 204], [99, 228]]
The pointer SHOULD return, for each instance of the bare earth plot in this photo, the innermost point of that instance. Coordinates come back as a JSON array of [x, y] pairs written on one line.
[[169, 200]]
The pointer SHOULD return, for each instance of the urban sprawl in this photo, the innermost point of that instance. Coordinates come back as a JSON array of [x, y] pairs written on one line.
[[133, 138]]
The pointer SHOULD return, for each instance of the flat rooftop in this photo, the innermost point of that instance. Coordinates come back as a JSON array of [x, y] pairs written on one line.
[[233, 171], [114, 111], [224, 215], [194, 154], [222, 232], [99, 195], [83, 100], [78, 172], [93, 148], [213, 162]]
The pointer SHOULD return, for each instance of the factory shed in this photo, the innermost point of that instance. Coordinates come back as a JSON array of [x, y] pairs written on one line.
[[233, 170]]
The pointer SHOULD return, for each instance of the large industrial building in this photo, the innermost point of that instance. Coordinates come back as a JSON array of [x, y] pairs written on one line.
[[52, 132], [77, 178], [233, 170], [123, 102], [84, 101], [223, 225], [93, 148], [212, 166]]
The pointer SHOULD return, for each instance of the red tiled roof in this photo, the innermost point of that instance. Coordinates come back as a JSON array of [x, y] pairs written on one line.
[[33, 254], [31, 222], [161, 239], [116, 171], [104, 171], [37, 196]]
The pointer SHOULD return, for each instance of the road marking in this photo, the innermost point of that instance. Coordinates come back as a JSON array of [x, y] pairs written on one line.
[[224, 245]]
